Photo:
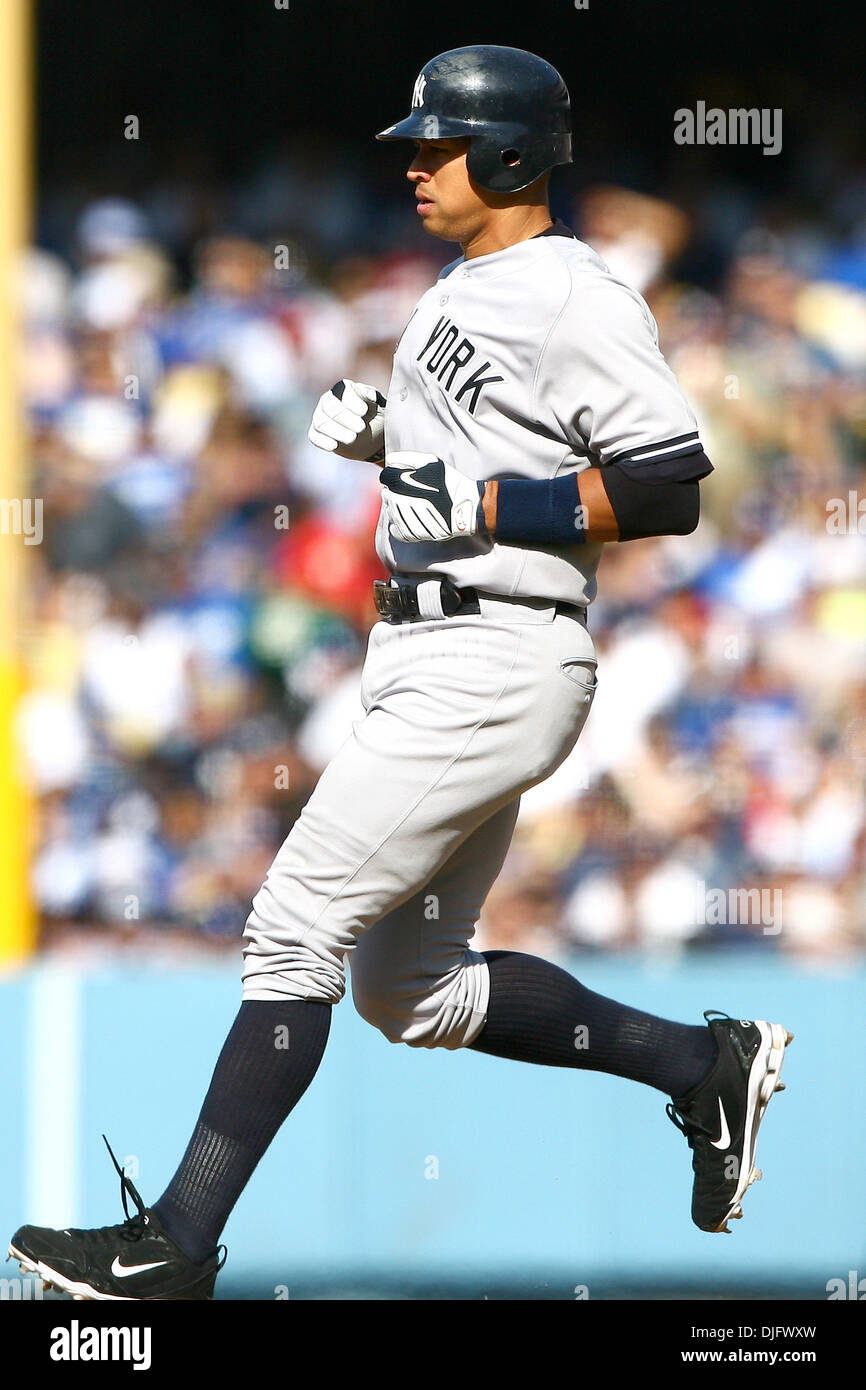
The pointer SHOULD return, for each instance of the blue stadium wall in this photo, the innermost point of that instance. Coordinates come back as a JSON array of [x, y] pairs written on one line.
[[429, 1173]]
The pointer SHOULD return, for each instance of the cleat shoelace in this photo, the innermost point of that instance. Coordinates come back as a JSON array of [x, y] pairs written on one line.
[[690, 1128], [693, 1129], [133, 1227]]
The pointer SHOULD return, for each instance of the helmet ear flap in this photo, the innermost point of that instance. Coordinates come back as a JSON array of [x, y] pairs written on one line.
[[502, 168], [493, 166]]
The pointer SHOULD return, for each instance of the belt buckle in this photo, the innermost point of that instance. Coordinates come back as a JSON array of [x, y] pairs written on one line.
[[387, 599], [396, 603]]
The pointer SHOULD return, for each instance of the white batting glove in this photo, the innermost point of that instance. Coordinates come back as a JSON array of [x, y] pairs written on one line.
[[350, 421], [428, 500]]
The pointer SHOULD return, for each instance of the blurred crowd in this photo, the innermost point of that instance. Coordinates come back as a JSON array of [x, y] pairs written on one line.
[[199, 605]]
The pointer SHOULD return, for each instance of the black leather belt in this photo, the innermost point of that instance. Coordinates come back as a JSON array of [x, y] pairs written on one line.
[[398, 603]]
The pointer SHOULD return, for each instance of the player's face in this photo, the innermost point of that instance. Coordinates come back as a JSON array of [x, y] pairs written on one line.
[[450, 204]]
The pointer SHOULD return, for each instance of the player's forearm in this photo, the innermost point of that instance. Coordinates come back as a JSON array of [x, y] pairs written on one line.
[[597, 505], [543, 514], [427, 499]]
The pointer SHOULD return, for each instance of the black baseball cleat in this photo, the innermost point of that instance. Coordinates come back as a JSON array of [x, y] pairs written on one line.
[[720, 1117], [135, 1260]]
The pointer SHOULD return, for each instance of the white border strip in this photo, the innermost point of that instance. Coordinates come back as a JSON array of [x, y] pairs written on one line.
[[53, 1076]]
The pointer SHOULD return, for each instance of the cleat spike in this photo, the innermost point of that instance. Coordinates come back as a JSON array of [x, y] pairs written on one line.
[[781, 1087], [789, 1038]]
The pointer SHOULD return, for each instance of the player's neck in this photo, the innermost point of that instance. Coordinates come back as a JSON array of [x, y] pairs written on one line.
[[507, 227]]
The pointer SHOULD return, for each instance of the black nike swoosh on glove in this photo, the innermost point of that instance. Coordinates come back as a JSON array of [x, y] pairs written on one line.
[[427, 481]]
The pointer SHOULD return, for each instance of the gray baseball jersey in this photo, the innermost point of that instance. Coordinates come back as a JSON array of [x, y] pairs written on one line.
[[525, 363], [530, 362]]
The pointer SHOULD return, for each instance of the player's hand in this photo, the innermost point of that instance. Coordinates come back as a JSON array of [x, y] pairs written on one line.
[[426, 499], [350, 421]]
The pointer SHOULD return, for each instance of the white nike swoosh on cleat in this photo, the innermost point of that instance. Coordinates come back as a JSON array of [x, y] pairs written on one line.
[[410, 474], [123, 1271], [725, 1136]]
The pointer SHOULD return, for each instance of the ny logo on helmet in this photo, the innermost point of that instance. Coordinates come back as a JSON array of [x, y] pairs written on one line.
[[418, 91]]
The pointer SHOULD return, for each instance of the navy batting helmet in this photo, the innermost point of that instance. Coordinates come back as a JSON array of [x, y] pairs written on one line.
[[514, 105]]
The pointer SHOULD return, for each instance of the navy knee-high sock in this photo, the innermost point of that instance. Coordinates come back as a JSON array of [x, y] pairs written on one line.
[[539, 1013], [267, 1062]]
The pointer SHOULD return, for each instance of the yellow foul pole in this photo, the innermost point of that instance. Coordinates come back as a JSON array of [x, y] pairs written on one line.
[[17, 917]]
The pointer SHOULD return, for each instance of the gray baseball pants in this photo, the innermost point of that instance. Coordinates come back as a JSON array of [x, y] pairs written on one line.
[[391, 859]]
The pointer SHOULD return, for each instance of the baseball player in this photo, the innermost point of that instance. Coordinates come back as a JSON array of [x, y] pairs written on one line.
[[530, 420]]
